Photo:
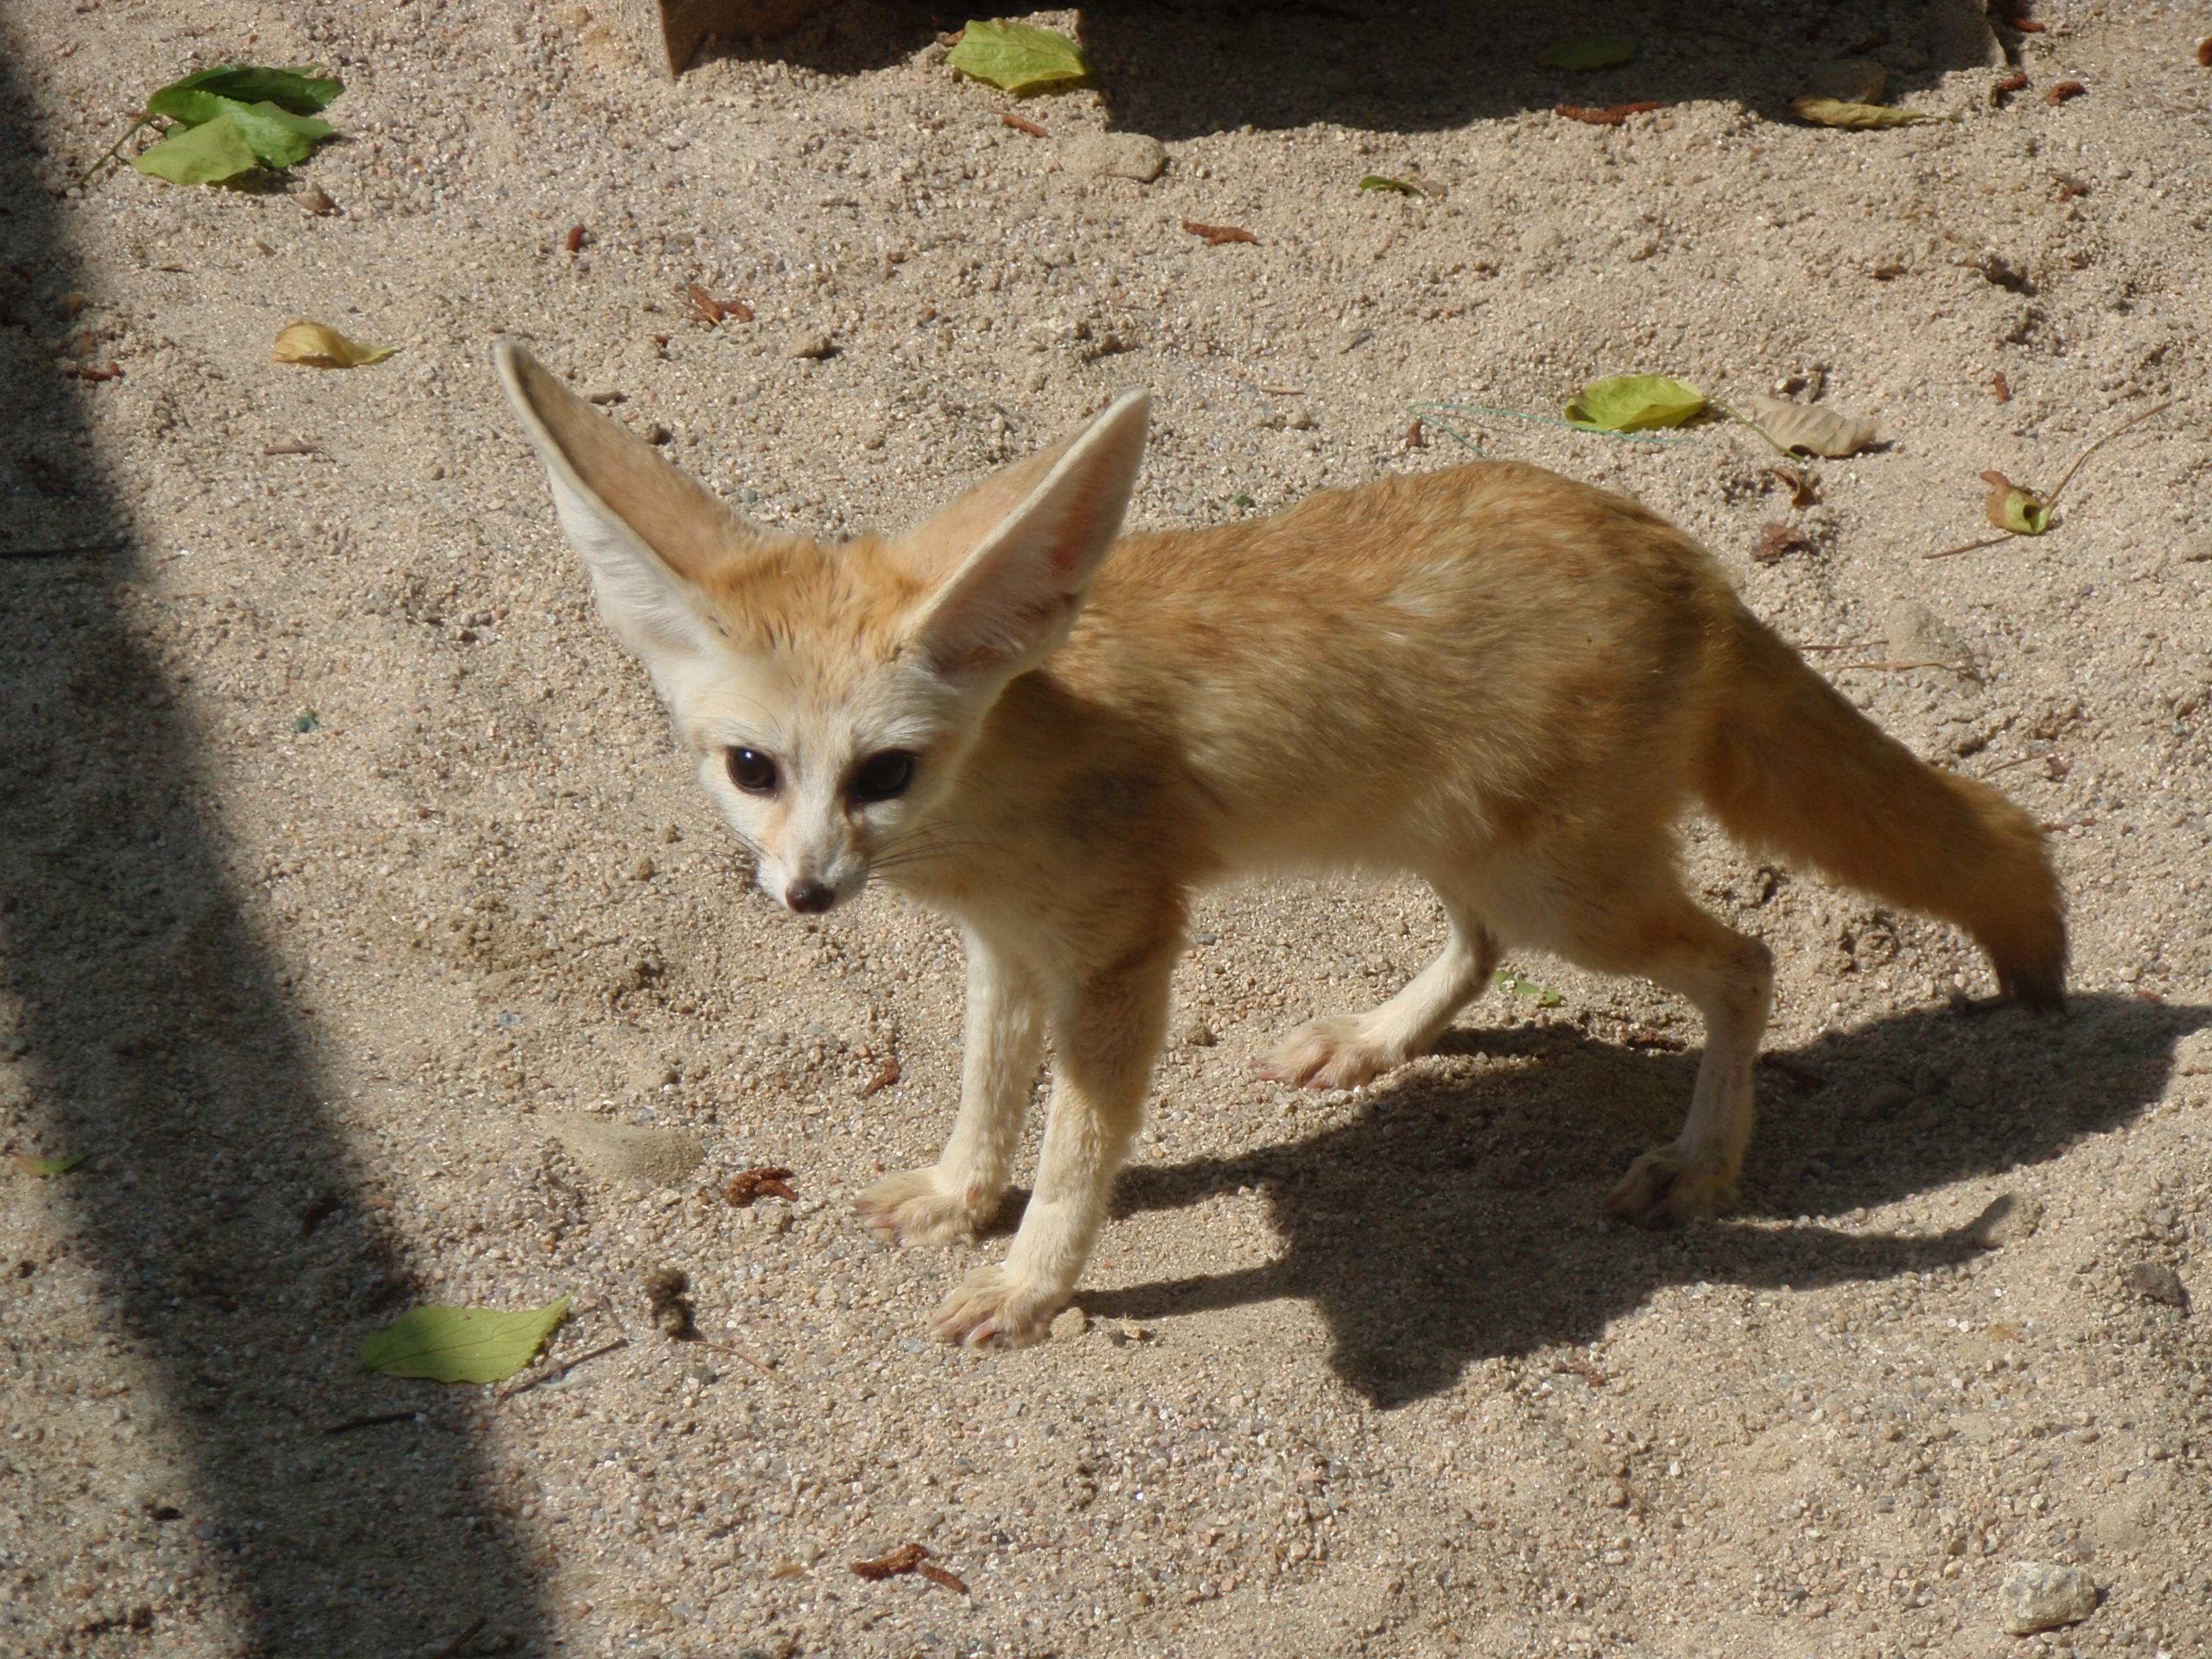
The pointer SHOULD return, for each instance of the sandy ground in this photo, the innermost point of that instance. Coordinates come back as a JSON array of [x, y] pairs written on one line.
[[346, 859]]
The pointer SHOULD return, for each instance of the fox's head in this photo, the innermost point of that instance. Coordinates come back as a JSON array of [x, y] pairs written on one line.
[[829, 692]]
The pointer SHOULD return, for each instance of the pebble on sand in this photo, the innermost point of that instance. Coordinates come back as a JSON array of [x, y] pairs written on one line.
[[2037, 1595]]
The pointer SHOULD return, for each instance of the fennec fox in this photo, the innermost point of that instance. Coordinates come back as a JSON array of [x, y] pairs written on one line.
[[1503, 682]]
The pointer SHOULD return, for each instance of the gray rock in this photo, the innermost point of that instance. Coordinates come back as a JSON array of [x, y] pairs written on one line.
[[2158, 1282], [809, 344], [1114, 155], [2040, 1595], [616, 1151], [2009, 1218], [1069, 1324]]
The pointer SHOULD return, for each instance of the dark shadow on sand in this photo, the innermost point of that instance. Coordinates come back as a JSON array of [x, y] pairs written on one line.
[[1183, 69], [1457, 1218], [219, 1211]]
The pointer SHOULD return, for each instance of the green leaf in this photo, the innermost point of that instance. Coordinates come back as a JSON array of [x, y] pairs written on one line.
[[461, 1344], [48, 1166], [1834, 113], [1586, 51], [288, 89], [1527, 990], [204, 155], [1018, 59], [1634, 402], [279, 138], [1376, 181]]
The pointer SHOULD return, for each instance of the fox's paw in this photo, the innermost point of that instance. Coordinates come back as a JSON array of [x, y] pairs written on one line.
[[991, 1310], [1333, 1052], [913, 1208], [1660, 1187]]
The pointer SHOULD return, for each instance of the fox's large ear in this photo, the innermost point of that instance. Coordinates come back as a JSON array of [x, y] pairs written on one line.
[[646, 533], [1018, 550]]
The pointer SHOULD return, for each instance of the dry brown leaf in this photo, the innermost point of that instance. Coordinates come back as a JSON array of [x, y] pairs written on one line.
[[905, 1558], [768, 1181], [1808, 426], [1803, 490], [1611, 116], [1215, 235], [1777, 540]]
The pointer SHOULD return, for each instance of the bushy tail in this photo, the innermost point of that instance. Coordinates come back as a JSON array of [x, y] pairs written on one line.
[[1790, 765]]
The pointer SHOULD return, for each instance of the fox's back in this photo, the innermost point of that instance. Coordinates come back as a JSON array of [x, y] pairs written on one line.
[[1491, 637]]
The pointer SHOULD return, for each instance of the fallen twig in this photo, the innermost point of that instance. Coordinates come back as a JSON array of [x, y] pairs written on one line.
[[562, 1369], [2052, 500], [375, 1421]]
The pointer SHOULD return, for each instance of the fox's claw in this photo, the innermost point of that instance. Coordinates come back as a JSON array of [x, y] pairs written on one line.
[[1660, 1188], [914, 1209], [990, 1310], [1333, 1052]]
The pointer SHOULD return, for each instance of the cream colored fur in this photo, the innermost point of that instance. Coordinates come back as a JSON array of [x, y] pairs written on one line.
[[1503, 682]]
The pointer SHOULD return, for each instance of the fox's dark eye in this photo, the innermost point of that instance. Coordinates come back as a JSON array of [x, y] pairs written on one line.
[[752, 771], [883, 776]]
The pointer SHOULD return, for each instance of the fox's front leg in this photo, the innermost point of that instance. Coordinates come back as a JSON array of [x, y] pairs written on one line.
[[958, 1195], [1107, 1042]]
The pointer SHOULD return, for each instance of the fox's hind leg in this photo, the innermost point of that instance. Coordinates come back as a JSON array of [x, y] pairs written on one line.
[[1620, 910], [1342, 1051]]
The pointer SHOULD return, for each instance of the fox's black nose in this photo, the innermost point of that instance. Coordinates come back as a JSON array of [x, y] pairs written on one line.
[[808, 896]]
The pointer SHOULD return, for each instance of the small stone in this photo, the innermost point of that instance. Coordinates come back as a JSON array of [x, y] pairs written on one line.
[[2158, 1282], [1198, 1036], [1115, 155], [1069, 1324], [810, 345], [2009, 1220], [317, 201], [621, 1151], [1616, 1496], [642, 870], [2039, 1595]]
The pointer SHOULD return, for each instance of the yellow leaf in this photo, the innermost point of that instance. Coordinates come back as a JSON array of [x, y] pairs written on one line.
[[1834, 113], [314, 345]]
